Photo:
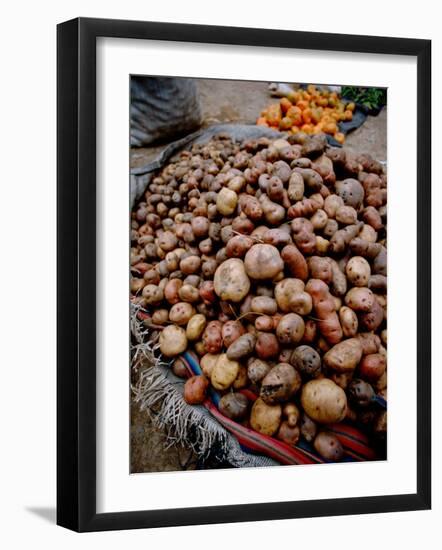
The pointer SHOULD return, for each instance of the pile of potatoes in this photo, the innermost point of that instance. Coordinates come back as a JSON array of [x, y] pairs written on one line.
[[268, 259]]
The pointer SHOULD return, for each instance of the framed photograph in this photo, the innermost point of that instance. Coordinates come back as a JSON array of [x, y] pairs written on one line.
[[241, 213]]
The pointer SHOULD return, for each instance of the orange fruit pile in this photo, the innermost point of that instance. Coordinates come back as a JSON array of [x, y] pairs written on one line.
[[309, 110]]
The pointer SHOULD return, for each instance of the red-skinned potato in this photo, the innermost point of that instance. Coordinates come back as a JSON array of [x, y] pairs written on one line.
[[295, 261], [324, 307], [212, 337], [372, 367], [195, 389], [288, 434], [328, 446], [231, 331], [267, 346]]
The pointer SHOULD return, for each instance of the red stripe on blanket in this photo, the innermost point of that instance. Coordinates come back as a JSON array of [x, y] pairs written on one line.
[[258, 442]]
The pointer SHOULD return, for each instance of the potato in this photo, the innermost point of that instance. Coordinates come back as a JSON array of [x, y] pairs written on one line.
[[207, 292], [257, 370], [231, 331], [195, 389], [358, 271], [265, 418], [153, 294], [160, 316], [296, 187], [171, 291], [370, 342], [368, 234], [234, 405], [277, 237], [263, 261], [344, 356], [181, 313], [338, 285], [200, 226], [319, 220], [167, 241], [303, 235], [346, 215], [242, 347], [274, 213], [207, 362], [341, 239], [226, 201], [380, 425], [212, 337], [301, 303], [372, 217], [285, 290], [378, 283], [241, 381], [308, 428], [380, 262], [280, 384], [361, 393], [324, 306], [349, 321], [360, 299], [238, 245], [350, 191], [292, 413], [224, 372], [290, 329], [195, 327], [264, 305], [324, 401], [341, 379], [331, 204], [372, 320], [190, 264], [310, 332], [331, 227], [173, 341], [264, 323], [231, 281], [267, 346], [328, 446], [251, 207], [281, 170], [306, 360], [288, 434], [189, 293], [179, 368], [372, 367], [320, 268]]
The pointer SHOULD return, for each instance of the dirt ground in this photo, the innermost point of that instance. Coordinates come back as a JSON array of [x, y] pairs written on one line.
[[226, 101]]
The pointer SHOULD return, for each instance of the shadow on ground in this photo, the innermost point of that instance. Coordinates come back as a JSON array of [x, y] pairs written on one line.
[[46, 513]]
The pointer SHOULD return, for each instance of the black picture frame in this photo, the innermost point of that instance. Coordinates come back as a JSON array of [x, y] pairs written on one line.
[[76, 274]]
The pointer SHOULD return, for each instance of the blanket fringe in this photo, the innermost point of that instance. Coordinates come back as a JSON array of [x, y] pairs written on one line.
[[154, 393]]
